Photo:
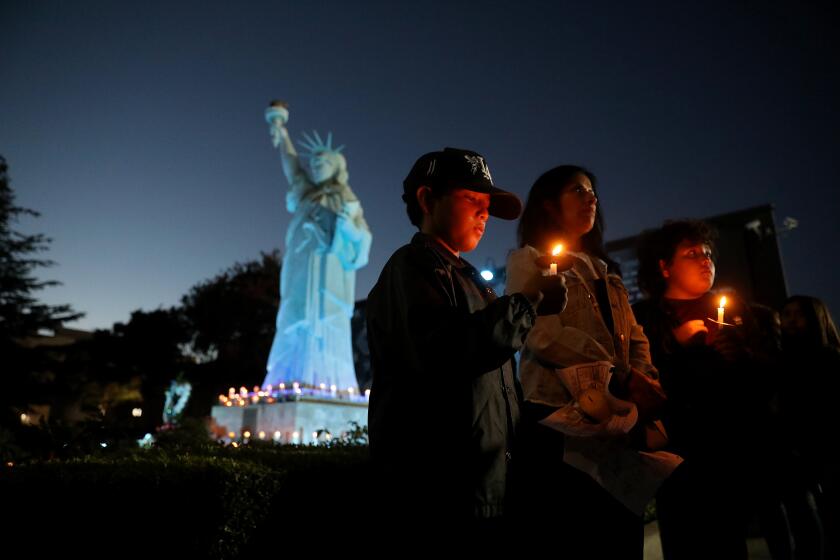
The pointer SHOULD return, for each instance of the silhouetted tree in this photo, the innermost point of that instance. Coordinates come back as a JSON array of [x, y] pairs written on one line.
[[24, 369], [130, 365], [231, 319]]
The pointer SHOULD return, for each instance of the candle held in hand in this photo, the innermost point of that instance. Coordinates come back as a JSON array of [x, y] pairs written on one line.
[[720, 309], [552, 269]]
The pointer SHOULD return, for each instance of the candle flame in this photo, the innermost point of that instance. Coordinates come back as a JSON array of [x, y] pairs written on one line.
[[557, 250], [723, 301]]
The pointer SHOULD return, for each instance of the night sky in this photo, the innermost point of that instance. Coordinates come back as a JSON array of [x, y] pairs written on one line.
[[137, 129]]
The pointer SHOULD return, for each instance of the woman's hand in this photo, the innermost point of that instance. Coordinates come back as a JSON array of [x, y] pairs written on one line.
[[647, 394], [685, 334]]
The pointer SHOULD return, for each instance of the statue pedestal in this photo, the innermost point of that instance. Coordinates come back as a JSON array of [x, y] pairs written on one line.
[[291, 421]]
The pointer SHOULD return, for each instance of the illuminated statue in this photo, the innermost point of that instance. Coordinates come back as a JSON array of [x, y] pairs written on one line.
[[177, 396], [326, 242]]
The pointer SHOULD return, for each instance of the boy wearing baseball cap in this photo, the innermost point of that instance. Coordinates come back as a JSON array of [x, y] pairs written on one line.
[[444, 401]]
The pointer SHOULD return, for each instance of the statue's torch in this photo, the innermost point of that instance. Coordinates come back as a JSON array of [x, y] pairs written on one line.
[[277, 112]]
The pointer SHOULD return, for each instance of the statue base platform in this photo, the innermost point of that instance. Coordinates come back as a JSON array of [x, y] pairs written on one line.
[[295, 421]]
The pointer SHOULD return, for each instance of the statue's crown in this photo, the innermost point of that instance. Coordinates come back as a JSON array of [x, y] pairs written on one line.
[[314, 144]]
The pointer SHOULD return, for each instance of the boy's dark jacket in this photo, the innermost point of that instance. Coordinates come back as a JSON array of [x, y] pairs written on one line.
[[444, 401]]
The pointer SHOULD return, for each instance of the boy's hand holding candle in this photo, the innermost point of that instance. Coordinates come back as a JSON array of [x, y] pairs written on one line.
[[548, 294]]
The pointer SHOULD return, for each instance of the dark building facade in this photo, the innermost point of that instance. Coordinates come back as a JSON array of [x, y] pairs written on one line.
[[748, 257]]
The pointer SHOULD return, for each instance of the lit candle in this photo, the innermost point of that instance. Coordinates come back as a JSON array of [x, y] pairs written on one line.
[[720, 309], [552, 270]]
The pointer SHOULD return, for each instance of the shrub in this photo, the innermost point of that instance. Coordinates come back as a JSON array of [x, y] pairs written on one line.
[[200, 506]]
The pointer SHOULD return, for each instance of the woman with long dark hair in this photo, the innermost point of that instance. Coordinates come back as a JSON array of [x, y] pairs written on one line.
[[586, 466]]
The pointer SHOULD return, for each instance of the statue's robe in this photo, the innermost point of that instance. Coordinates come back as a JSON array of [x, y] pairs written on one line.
[[312, 344]]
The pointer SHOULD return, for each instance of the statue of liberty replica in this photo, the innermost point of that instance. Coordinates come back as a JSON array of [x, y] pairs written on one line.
[[326, 242]]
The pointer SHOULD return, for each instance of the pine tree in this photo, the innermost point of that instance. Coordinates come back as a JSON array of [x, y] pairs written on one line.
[[25, 370], [231, 321], [21, 314]]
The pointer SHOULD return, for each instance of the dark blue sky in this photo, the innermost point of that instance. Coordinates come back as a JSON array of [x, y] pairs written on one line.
[[137, 129]]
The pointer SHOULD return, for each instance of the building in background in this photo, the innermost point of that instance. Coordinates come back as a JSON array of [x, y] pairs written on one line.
[[748, 257]]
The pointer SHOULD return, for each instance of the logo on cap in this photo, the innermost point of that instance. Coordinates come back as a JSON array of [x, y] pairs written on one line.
[[430, 171], [477, 163]]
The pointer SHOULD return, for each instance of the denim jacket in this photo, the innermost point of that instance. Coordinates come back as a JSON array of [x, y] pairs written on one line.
[[579, 334]]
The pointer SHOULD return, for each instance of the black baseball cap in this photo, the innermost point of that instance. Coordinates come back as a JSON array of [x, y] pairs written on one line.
[[454, 168]]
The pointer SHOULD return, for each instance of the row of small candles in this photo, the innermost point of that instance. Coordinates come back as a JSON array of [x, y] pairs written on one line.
[[278, 436], [271, 394]]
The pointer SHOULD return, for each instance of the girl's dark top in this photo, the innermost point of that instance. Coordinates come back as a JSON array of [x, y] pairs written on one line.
[[715, 406]]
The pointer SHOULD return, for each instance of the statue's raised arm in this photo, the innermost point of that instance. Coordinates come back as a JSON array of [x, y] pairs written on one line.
[[277, 115]]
